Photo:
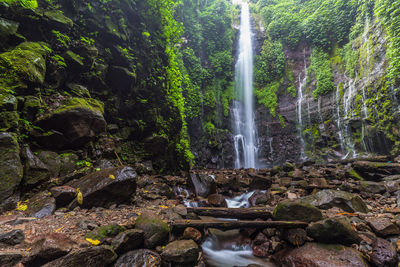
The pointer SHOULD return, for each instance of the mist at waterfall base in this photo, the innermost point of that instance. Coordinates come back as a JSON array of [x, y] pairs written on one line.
[[245, 141]]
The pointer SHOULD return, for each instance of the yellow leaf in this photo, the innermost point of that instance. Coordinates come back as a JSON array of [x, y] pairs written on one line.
[[59, 229], [79, 196], [93, 242], [164, 207], [21, 207], [111, 176]]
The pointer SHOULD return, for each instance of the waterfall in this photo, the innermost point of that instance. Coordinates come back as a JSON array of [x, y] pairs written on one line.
[[243, 116], [302, 84]]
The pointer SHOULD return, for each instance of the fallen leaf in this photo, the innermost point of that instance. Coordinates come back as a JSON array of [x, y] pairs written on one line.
[[93, 242]]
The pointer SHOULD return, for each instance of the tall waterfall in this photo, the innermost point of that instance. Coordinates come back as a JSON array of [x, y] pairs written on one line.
[[243, 116]]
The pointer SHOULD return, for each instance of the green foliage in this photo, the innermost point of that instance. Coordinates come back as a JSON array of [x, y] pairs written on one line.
[[62, 39], [268, 97], [59, 60], [320, 65], [28, 4], [270, 64], [388, 12], [87, 40]]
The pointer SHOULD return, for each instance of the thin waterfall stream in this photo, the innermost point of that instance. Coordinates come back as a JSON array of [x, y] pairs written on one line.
[[245, 140]]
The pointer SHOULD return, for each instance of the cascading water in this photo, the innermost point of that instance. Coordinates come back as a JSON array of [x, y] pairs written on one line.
[[302, 84], [243, 116]]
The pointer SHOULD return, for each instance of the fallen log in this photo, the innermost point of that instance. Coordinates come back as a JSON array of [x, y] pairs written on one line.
[[235, 213], [226, 225]]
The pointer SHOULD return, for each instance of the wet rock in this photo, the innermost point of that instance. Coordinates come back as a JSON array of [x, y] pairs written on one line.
[[35, 170], [10, 165], [68, 163], [376, 171], [12, 238], [384, 254], [106, 187], [77, 120], [336, 230], [383, 226], [10, 259], [327, 199], [41, 205], [372, 187], [63, 195], [47, 248], [258, 198], [100, 256], [296, 237], [321, 255], [260, 239], [192, 233], [259, 182], [203, 184], [181, 251], [261, 250], [155, 230], [296, 211], [216, 200], [127, 241], [139, 257]]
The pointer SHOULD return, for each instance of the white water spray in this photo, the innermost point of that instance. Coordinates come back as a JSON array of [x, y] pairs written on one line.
[[243, 116]]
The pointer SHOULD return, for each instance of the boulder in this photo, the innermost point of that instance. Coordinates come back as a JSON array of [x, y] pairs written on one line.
[[383, 226], [9, 259], [384, 254], [335, 230], [259, 182], [181, 251], [321, 255], [127, 241], [76, 121], [203, 184], [105, 231], [10, 165], [40, 205], [372, 187], [296, 211], [106, 187], [216, 200], [376, 171], [192, 233], [327, 199], [100, 256], [155, 230], [36, 170], [13, 237], [48, 247], [296, 237], [139, 257], [63, 195]]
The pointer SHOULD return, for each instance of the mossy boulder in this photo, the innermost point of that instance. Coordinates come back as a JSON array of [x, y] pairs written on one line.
[[9, 120], [105, 231], [155, 230], [24, 64], [346, 201], [73, 60], [31, 107], [296, 211], [336, 230], [76, 120], [8, 102], [8, 27], [11, 169], [181, 251], [40, 205], [58, 19]]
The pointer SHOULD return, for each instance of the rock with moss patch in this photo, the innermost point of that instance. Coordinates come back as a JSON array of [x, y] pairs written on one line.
[[8, 102], [103, 232], [9, 120], [296, 211], [327, 199], [58, 19], [40, 205], [78, 120], [155, 230], [24, 64], [37, 171], [10, 165], [181, 251], [336, 230]]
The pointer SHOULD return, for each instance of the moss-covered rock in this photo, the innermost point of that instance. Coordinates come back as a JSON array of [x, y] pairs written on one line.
[[35, 170], [10, 165], [24, 64], [74, 122], [102, 232], [31, 107], [58, 19], [9, 120], [296, 211], [155, 230], [8, 102]]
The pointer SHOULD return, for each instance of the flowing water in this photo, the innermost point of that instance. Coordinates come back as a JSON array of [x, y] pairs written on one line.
[[243, 108], [302, 84]]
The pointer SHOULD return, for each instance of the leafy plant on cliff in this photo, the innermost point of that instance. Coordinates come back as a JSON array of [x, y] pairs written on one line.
[[320, 65]]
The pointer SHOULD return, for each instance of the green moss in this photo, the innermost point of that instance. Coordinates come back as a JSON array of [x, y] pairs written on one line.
[[352, 173], [320, 65], [76, 102], [103, 232], [268, 97]]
